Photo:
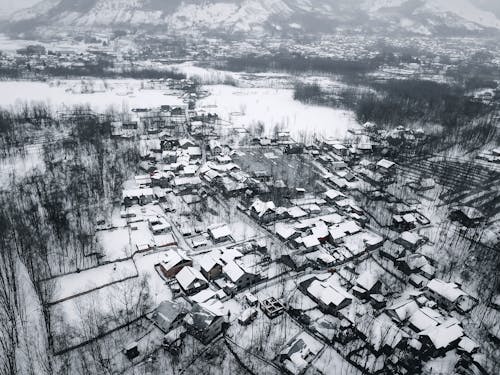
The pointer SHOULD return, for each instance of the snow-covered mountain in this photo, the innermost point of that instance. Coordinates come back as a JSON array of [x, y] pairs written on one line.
[[414, 16]]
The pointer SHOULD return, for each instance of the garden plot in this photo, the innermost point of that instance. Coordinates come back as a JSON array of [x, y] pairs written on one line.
[[78, 283], [115, 243], [84, 318], [265, 337]]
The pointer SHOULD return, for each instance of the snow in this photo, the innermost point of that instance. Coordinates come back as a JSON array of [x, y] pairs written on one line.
[[15, 92], [244, 107], [73, 284]]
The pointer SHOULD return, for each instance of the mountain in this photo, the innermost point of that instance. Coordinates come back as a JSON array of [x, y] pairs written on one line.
[[427, 17]]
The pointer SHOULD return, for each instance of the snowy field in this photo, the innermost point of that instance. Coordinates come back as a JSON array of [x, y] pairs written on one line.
[[242, 107], [275, 107], [120, 94], [74, 284]]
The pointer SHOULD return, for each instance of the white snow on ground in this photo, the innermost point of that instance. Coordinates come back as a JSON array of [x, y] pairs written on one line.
[[13, 92], [247, 106], [145, 266], [85, 281]]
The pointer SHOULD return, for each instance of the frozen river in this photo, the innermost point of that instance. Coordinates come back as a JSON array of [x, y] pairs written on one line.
[[240, 106]]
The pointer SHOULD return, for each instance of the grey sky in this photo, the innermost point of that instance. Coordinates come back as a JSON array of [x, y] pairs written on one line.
[[9, 6]]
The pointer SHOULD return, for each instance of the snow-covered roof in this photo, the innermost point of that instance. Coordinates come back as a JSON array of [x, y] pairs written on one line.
[[285, 231], [425, 318], [444, 334], [219, 231], [328, 294], [386, 164], [296, 212], [233, 271], [367, 280], [450, 291], [174, 257], [261, 207], [310, 241], [189, 277]]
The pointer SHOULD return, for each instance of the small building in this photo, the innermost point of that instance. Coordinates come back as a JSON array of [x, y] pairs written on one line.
[[169, 315], [437, 340], [191, 280], [174, 261], [263, 212], [272, 307], [298, 353], [386, 166], [203, 323], [210, 266], [449, 295], [241, 276], [248, 316], [330, 298], [219, 233]]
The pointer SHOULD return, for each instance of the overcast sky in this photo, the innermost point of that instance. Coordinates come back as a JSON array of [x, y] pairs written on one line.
[[9, 6]]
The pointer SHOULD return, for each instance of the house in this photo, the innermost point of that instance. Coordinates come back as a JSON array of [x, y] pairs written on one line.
[[204, 323], [392, 251], [191, 280], [386, 166], [367, 283], [401, 310], [467, 216], [137, 196], [210, 266], [241, 276], [263, 212], [328, 296], [298, 353], [425, 318], [214, 147], [333, 195], [272, 307], [169, 315], [159, 225], [286, 232], [437, 340], [380, 333], [415, 263], [185, 143], [449, 295], [248, 316], [410, 240], [174, 261], [219, 233]]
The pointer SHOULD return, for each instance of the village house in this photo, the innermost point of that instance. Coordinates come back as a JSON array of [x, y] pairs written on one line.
[[367, 283], [137, 196], [169, 315], [191, 280], [248, 316], [210, 266], [159, 225], [239, 275], [263, 212], [203, 323], [329, 297], [174, 261], [449, 295], [220, 233], [437, 340], [299, 353]]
